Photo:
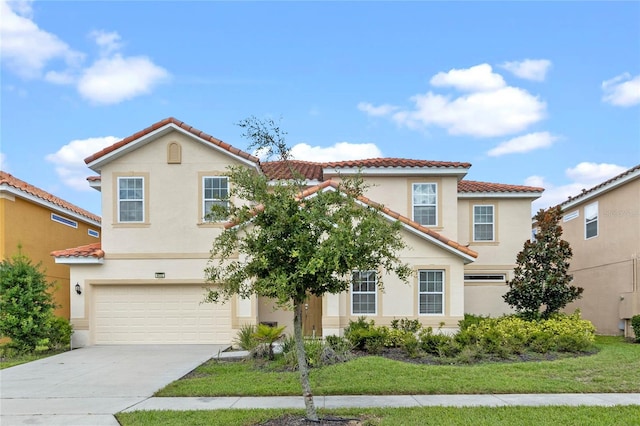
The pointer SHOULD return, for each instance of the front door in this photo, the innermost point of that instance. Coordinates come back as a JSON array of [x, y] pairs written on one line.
[[312, 317]]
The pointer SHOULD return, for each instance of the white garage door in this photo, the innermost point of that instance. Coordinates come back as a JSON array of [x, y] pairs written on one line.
[[158, 314]]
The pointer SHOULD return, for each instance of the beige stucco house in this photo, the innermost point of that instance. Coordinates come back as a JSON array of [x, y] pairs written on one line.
[[144, 283], [602, 225]]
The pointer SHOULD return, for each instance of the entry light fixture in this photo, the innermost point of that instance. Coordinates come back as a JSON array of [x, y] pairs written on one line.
[[78, 288], [159, 274]]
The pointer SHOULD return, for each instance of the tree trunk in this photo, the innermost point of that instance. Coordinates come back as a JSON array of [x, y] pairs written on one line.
[[303, 368]]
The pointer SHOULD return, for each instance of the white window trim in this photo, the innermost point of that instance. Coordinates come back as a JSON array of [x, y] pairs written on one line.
[[570, 216], [374, 292], [93, 233], [63, 220], [486, 277], [493, 223], [142, 199], [413, 205], [444, 285], [596, 220], [204, 200]]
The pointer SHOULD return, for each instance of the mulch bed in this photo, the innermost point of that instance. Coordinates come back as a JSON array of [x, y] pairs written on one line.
[[297, 420]]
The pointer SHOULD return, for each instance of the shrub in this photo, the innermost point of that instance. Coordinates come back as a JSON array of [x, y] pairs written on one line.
[[436, 343], [26, 303], [319, 353], [635, 324], [60, 332], [266, 336], [245, 338]]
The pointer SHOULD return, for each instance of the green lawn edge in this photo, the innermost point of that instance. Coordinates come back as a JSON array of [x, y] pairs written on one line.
[[415, 416], [614, 368]]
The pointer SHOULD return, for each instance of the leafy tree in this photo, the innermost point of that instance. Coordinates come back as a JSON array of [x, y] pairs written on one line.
[[292, 246], [26, 303], [541, 278]]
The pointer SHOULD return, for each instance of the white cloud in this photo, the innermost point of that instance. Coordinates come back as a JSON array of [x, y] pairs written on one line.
[[113, 80], [107, 42], [529, 69], [4, 164], [524, 143], [622, 90], [376, 111], [29, 51], [478, 78], [69, 160], [483, 114], [341, 151], [584, 175], [26, 49], [593, 173], [491, 108]]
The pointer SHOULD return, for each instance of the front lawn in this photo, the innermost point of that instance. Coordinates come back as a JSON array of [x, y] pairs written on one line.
[[615, 368], [468, 416], [11, 360]]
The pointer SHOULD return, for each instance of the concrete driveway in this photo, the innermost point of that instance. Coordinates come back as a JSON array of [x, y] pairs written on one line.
[[87, 386]]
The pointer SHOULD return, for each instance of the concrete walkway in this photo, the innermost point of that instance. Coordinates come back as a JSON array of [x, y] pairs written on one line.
[[354, 401], [87, 386]]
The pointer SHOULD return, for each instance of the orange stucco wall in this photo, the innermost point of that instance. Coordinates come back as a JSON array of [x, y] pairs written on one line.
[[29, 225]]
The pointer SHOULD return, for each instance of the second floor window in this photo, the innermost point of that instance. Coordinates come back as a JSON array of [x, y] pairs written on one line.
[[215, 192], [425, 203], [591, 220], [131, 199], [363, 292], [483, 223]]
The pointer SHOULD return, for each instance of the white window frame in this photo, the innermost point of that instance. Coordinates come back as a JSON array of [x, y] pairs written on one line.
[[492, 223], [63, 220], [434, 204], [205, 211], [589, 219], [486, 277], [93, 233], [570, 216], [132, 200], [427, 293], [367, 292]]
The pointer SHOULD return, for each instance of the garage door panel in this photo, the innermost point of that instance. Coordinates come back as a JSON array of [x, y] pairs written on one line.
[[158, 314]]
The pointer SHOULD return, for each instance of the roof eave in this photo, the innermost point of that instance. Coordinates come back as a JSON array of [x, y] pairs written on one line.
[[79, 260], [459, 172], [490, 194], [98, 163], [47, 204], [589, 195]]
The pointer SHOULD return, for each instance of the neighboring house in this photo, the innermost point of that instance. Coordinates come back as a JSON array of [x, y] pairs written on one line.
[[144, 283], [39, 222], [602, 225]]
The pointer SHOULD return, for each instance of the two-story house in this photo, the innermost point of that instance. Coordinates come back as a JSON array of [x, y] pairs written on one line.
[[144, 284], [602, 225], [34, 222]]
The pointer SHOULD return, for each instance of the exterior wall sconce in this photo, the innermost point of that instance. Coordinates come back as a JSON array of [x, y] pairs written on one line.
[[159, 274], [78, 288]]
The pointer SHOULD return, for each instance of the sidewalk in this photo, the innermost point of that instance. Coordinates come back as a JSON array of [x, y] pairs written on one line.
[[351, 401]]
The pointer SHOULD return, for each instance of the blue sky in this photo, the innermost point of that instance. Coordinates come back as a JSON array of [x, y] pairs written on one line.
[[537, 93]]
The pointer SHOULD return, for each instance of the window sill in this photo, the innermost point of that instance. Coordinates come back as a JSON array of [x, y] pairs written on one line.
[[131, 225]]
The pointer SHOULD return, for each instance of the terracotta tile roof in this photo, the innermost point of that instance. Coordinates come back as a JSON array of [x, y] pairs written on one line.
[[180, 124], [281, 170], [14, 182], [94, 178], [89, 250], [405, 220], [601, 185], [395, 162], [474, 186], [314, 170]]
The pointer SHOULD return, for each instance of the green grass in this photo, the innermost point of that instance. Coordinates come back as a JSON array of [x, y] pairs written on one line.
[[615, 368], [22, 359], [469, 416]]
